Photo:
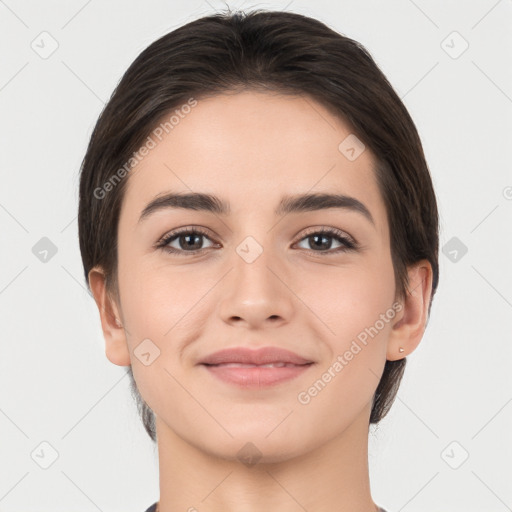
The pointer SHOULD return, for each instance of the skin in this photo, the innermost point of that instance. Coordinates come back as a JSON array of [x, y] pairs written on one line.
[[250, 149]]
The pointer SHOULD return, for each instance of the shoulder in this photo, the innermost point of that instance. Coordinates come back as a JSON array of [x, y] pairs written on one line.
[[153, 508]]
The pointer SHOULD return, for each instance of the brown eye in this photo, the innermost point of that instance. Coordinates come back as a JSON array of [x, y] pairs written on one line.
[[322, 241], [185, 241]]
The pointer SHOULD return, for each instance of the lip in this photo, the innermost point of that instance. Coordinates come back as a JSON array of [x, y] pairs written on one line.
[[245, 368], [244, 355]]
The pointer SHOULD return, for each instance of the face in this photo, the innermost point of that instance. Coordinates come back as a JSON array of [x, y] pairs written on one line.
[[315, 281]]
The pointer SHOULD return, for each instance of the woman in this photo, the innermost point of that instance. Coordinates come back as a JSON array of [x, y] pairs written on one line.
[[259, 230]]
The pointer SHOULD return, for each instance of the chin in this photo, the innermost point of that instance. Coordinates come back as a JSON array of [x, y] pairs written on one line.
[[255, 446], [254, 453]]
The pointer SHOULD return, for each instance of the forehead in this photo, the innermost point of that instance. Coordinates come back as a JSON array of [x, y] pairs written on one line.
[[252, 148]]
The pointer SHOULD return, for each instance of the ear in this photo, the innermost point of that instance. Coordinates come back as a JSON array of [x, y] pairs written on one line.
[[410, 322], [116, 347]]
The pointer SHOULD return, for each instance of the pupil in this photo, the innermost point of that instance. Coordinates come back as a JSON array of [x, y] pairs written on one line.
[[195, 238], [321, 237]]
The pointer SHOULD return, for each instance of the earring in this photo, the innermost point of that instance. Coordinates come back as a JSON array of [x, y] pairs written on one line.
[[400, 350]]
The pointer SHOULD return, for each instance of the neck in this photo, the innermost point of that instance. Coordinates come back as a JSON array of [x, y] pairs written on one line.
[[333, 477]]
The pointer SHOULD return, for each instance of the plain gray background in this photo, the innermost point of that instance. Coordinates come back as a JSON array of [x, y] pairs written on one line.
[[445, 445]]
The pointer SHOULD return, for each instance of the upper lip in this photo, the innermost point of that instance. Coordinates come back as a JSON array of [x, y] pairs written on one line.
[[265, 355]]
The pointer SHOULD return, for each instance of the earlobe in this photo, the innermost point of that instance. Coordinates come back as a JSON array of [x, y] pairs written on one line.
[[116, 346], [409, 326]]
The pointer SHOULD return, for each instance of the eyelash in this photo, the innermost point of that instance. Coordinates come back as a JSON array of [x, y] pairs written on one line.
[[349, 244]]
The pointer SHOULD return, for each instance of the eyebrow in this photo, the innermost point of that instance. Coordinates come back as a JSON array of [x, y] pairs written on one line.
[[288, 204]]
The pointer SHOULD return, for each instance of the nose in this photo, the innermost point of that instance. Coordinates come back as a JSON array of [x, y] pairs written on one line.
[[258, 293]]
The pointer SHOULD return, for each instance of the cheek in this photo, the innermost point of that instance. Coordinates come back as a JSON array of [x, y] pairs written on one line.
[[349, 299], [162, 306], [355, 305], [163, 303]]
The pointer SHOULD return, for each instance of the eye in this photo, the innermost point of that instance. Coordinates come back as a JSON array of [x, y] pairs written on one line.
[[188, 240], [322, 239]]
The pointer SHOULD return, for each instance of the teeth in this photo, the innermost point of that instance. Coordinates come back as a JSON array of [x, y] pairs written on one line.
[[242, 365]]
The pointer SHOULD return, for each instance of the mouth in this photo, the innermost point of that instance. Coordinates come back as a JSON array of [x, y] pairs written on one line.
[[255, 369], [269, 365], [249, 375], [264, 357]]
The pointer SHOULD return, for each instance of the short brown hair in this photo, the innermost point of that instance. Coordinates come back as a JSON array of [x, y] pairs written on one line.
[[290, 54]]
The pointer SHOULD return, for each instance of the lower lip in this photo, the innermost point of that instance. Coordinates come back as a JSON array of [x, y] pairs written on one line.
[[256, 376]]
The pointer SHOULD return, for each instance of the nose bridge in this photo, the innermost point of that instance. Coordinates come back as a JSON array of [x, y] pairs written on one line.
[[255, 293]]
